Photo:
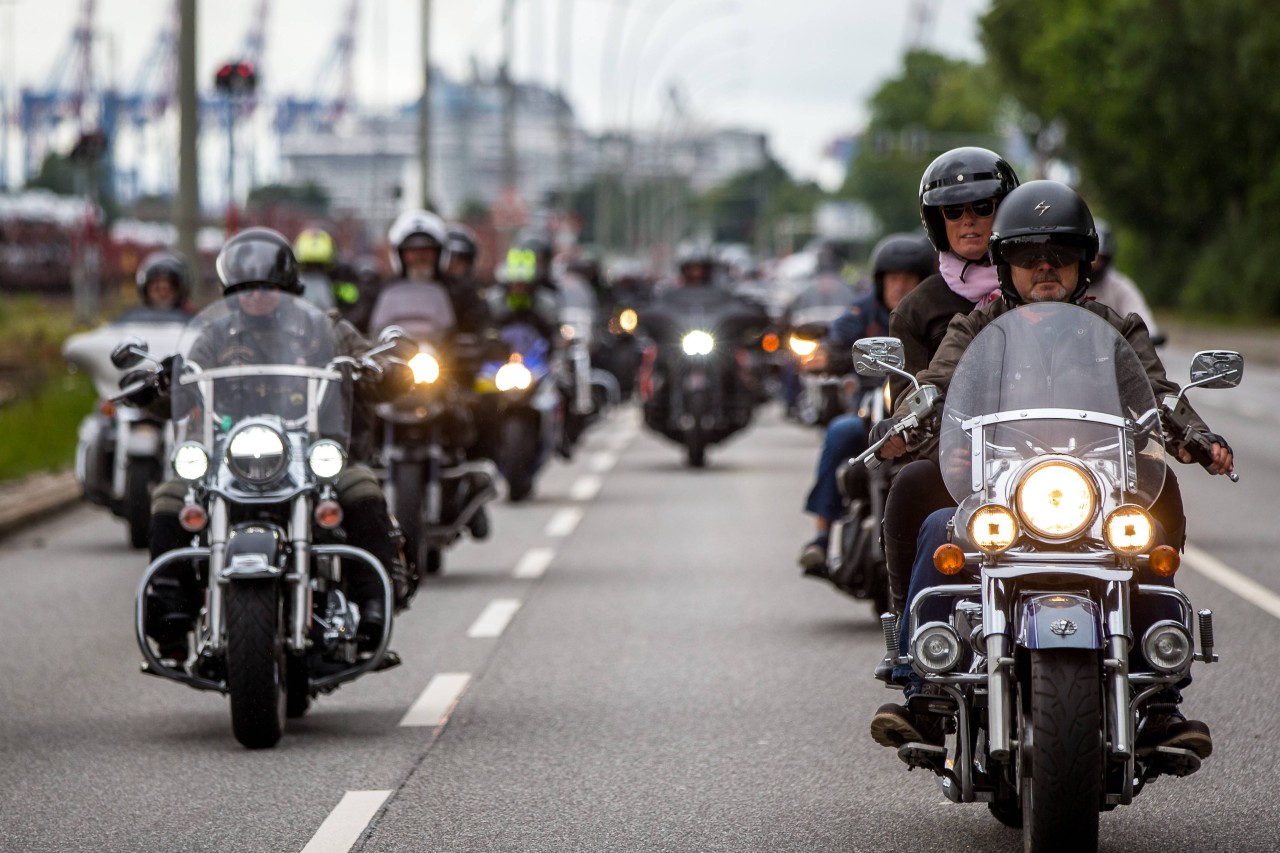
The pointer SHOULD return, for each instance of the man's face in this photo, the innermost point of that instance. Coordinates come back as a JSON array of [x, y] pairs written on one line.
[[897, 285], [459, 267], [1045, 282], [162, 293], [968, 233], [695, 273], [420, 261], [259, 302]]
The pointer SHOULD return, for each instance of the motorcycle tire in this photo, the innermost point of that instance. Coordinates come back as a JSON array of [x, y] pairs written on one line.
[[256, 663], [297, 687], [433, 561], [1062, 789], [139, 479], [408, 478], [695, 443], [517, 447]]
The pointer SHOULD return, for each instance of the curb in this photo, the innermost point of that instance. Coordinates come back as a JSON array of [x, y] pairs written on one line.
[[31, 498]]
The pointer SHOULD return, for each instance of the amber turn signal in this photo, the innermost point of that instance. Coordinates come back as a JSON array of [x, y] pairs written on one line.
[[948, 559], [328, 514], [1165, 561], [193, 518]]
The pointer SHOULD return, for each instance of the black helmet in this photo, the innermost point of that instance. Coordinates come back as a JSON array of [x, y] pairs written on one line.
[[258, 256], [903, 252], [958, 176], [1106, 239], [1034, 220], [459, 242], [164, 264]]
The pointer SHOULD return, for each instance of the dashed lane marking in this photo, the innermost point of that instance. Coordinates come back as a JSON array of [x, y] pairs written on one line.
[[342, 828], [1220, 573], [495, 618], [534, 563], [437, 702], [585, 487], [563, 522], [602, 461]]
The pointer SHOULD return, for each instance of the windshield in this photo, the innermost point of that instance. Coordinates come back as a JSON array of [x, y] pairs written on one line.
[[260, 353], [1051, 378], [422, 308]]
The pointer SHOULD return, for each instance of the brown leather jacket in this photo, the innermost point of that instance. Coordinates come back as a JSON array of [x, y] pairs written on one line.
[[920, 322]]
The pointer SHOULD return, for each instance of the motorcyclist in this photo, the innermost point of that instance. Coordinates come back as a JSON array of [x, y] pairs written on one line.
[[458, 272], [826, 297], [1043, 243], [1115, 289], [253, 267], [899, 262], [960, 192], [164, 284], [314, 250]]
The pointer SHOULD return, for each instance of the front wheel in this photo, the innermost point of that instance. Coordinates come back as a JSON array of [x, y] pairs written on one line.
[[139, 476], [408, 479], [517, 451], [695, 444], [1062, 789], [256, 663]]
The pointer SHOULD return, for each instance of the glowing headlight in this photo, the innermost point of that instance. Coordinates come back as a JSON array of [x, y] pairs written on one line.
[[801, 346], [1056, 500], [567, 332], [628, 320], [993, 528], [698, 342], [425, 368], [257, 454], [190, 461], [512, 376], [935, 648], [1167, 646], [326, 459], [1129, 530]]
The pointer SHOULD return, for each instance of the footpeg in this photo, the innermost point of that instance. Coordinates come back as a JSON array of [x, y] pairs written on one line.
[[390, 660], [926, 756], [1174, 762]]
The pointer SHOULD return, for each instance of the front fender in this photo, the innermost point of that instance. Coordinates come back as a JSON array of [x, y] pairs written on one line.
[[254, 551], [1059, 621]]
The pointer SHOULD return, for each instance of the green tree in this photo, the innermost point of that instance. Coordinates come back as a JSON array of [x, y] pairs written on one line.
[[1169, 108], [935, 104], [748, 207], [310, 197]]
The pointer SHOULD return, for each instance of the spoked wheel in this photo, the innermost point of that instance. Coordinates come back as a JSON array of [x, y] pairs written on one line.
[[1062, 734], [256, 663]]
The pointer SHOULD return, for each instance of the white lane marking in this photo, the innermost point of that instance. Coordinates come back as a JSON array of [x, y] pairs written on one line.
[[620, 438], [1222, 574], [534, 563], [602, 461], [495, 618], [585, 487], [437, 701], [342, 828], [564, 521]]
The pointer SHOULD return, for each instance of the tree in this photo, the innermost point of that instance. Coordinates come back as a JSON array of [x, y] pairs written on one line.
[[747, 207], [1169, 108]]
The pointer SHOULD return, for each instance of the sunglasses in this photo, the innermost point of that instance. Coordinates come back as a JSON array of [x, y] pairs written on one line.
[[981, 209], [1030, 252]]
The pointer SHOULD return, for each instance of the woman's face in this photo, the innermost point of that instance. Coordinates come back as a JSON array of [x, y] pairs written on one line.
[[969, 234]]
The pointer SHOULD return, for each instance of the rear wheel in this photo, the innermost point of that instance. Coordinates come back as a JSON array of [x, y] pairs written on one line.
[[1062, 736], [256, 663], [516, 451], [139, 477]]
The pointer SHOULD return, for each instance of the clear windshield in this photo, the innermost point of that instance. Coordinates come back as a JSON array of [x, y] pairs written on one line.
[[260, 353], [422, 308], [1051, 378]]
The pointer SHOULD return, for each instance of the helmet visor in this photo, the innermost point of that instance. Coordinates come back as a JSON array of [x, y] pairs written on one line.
[[255, 262], [1030, 252]]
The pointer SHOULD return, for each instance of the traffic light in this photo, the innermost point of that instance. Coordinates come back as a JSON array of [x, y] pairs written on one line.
[[236, 78]]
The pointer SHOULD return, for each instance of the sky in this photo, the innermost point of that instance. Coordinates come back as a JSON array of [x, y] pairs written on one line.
[[799, 70]]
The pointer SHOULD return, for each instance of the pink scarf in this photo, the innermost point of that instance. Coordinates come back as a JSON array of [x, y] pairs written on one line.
[[974, 280]]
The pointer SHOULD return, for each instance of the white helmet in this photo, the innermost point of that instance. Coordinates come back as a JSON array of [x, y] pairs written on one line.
[[414, 228]]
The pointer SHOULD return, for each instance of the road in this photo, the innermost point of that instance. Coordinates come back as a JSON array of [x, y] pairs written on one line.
[[648, 671]]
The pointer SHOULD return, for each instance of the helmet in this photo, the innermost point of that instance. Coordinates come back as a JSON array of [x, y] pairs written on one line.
[[414, 228], [1106, 239], [258, 256], [695, 253], [960, 175], [164, 264], [903, 252], [539, 245], [459, 242], [314, 246], [1037, 214]]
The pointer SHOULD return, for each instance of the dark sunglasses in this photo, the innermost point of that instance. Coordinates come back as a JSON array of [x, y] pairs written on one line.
[[981, 208], [1030, 252]]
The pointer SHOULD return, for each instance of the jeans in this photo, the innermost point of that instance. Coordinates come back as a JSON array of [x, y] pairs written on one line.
[[846, 437], [1143, 610]]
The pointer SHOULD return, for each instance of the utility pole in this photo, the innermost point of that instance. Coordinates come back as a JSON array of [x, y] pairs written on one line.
[[424, 111], [565, 43], [186, 212], [509, 170]]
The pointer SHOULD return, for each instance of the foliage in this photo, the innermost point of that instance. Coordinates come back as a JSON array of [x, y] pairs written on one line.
[[934, 105], [1168, 108], [749, 207], [310, 197]]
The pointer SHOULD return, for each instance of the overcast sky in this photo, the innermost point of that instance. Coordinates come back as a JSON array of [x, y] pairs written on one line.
[[800, 70]]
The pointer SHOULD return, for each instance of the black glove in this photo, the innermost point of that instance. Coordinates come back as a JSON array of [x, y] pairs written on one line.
[[168, 366], [1214, 438], [881, 429], [139, 387], [396, 379]]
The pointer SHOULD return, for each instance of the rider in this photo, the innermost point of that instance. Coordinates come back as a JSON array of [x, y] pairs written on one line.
[[253, 267], [899, 263], [959, 194], [1043, 243], [1115, 289], [458, 273], [164, 282]]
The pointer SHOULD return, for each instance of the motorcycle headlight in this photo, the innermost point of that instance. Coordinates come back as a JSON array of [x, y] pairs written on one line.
[[993, 529], [1129, 530], [628, 320], [1056, 500], [1167, 647], [257, 454], [425, 368], [190, 461], [801, 346], [698, 342], [512, 376], [935, 648], [326, 459]]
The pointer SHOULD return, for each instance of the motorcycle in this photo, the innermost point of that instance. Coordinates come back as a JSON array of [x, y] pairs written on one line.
[[589, 390], [520, 398], [120, 450], [260, 446], [1031, 662], [822, 395]]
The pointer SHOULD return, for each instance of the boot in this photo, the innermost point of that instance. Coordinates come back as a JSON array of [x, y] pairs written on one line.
[[899, 555]]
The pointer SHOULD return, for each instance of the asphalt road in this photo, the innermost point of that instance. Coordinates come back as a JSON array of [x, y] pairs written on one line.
[[660, 678]]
